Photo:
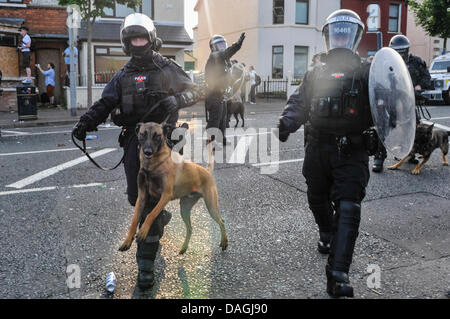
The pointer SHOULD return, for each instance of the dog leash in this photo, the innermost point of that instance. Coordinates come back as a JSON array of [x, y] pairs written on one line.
[[83, 149], [125, 149]]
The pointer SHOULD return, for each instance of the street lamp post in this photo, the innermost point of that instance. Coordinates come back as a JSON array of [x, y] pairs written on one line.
[[72, 23]]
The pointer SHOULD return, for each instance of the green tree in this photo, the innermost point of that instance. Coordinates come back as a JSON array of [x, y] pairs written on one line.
[[433, 16], [89, 11]]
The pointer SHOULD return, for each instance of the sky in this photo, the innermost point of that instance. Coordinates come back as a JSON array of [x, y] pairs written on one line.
[[190, 16]]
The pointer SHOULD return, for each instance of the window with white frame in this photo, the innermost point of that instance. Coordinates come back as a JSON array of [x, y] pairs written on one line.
[[11, 1], [394, 18], [277, 62], [121, 10], [300, 61], [107, 61], [373, 21], [301, 11], [278, 11]]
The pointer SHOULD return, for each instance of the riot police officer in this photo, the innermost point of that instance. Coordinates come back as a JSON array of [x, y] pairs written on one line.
[[421, 80], [217, 77], [333, 102], [147, 80]]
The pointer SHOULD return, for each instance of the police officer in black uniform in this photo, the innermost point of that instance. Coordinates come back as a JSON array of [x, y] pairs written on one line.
[[146, 80], [218, 79], [333, 102], [421, 80]]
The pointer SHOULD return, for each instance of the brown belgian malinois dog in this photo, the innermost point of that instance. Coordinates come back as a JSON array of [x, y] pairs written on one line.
[[165, 175]]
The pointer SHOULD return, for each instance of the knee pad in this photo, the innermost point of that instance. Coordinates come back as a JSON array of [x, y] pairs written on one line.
[[350, 212]]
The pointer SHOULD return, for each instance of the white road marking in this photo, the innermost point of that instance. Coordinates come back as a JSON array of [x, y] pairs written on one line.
[[439, 126], [51, 171], [43, 151], [49, 188], [15, 132], [240, 152], [441, 118], [279, 162]]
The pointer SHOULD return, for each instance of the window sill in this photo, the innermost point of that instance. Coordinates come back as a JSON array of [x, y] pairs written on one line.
[[13, 5]]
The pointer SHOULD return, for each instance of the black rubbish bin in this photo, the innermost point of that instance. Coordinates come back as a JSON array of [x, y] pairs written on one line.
[[27, 102]]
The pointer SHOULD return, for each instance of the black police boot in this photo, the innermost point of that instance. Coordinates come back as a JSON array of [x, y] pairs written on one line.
[[338, 284], [145, 259], [324, 243], [348, 216], [378, 163], [146, 251], [323, 212]]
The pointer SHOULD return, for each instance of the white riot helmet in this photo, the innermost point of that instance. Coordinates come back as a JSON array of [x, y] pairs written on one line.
[[343, 29], [217, 43], [137, 25]]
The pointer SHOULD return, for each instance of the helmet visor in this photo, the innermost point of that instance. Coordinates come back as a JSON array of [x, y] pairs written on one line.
[[220, 45], [342, 35]]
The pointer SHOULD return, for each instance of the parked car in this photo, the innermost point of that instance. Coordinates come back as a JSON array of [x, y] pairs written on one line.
[[440, 78]]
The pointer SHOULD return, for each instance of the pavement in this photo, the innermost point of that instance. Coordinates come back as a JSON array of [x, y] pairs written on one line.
[[61, 116]]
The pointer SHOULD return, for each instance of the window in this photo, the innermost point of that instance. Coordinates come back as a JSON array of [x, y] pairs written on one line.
[[7, 40], [394, 18], [300, 61], [301, 11], [107, 61], [277, 62], [121, 10], [10, 1], [189, 65], [278, 11], [373, 21]]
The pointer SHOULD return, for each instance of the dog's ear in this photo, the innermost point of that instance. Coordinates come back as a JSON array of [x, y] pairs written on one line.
[[138, 126], [166, 129]]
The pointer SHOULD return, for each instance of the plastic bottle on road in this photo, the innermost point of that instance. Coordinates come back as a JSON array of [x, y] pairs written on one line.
[[91, 137], [111, 282]]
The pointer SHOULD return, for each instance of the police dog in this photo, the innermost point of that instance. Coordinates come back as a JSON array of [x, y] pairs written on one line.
[[425, 142], [163, 174], [235, 107]]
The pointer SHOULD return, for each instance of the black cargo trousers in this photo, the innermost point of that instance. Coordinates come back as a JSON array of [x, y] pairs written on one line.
[[217, 112], [336, 184]]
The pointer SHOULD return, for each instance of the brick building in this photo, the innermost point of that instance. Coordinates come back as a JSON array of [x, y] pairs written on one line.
[[47, 24], [392, 21]]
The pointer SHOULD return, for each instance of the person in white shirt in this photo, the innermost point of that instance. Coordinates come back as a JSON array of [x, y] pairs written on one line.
[[252, 75], [26, 54]]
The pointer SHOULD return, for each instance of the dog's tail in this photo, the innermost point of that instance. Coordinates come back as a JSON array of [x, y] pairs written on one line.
[[211, 158]]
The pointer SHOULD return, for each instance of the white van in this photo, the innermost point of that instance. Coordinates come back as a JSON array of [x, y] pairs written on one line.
[[440, 78]]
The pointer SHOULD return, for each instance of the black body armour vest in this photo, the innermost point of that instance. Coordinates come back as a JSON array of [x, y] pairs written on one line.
[[141, 90], [217, 74], [339, 104]]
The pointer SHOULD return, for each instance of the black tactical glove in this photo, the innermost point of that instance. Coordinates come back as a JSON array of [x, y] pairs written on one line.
[[241, 38], [79, 130], [170, 104], [283, 134]]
